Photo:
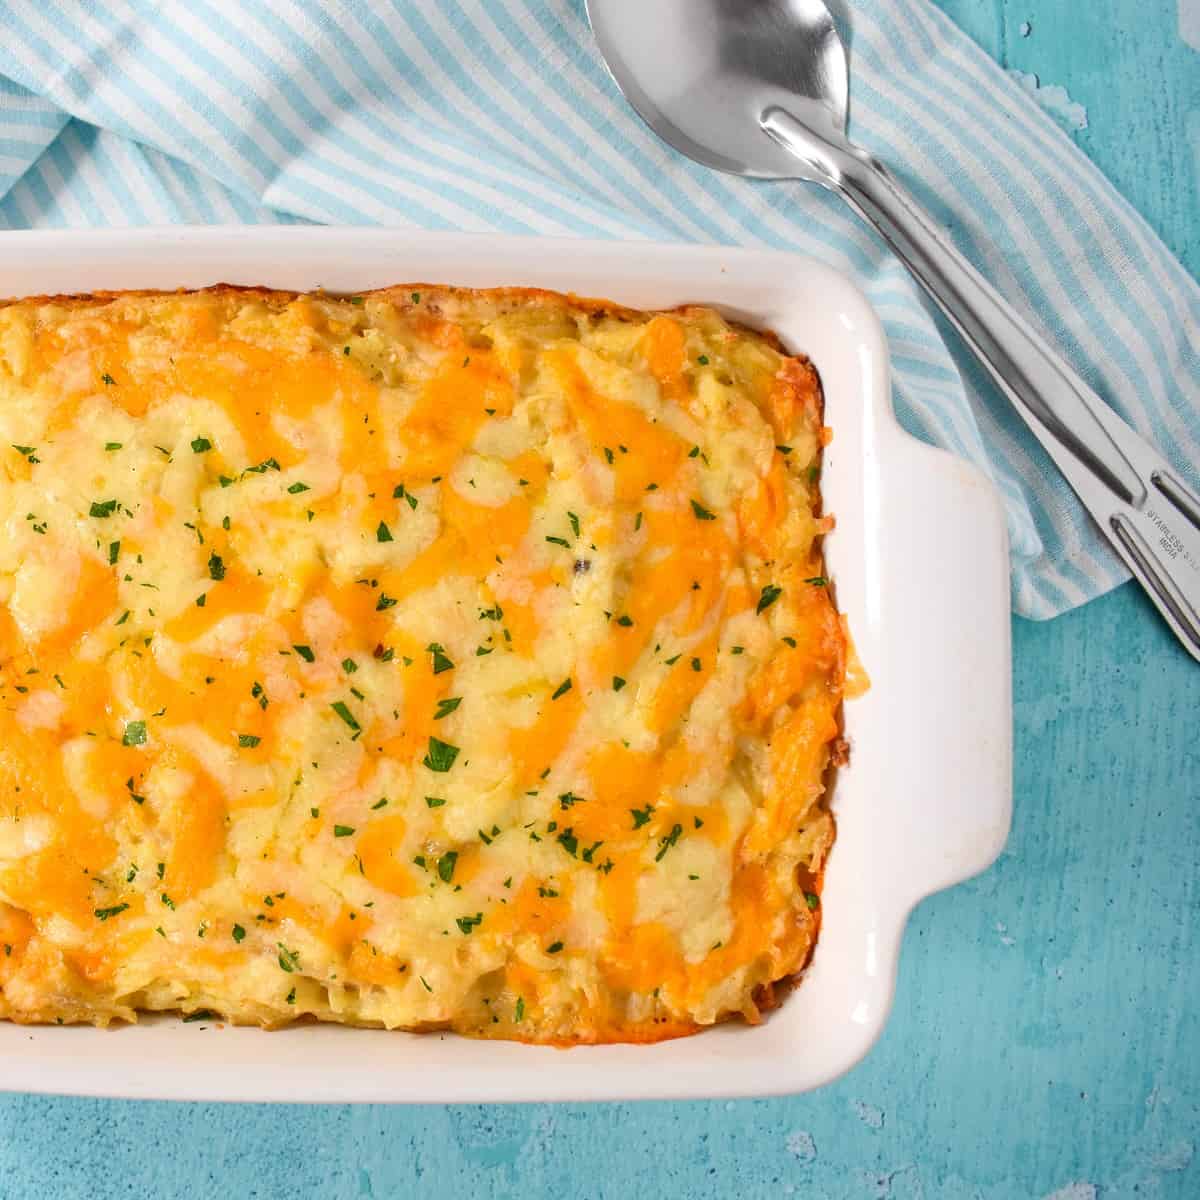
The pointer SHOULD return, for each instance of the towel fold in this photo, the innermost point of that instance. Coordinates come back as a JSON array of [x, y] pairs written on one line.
[[499, 115]]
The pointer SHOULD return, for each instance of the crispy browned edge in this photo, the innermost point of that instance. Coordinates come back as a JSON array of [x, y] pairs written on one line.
[[767, 996]]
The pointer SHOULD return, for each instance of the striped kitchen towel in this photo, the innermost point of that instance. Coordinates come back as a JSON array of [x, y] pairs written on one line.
[[498, 115]]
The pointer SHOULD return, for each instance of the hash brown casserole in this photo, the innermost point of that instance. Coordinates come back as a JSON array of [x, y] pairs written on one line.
[[430, 658]]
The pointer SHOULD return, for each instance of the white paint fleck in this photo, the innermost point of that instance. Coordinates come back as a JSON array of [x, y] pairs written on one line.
[[1002, 930], [1026, 29], [1073, 1191], [1175, 1157], [1189, 23], [868, 1114], [801, 1145], [1054, 99]]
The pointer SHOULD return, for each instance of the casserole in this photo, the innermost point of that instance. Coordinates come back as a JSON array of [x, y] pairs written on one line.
[[925, 803], [439, 659]]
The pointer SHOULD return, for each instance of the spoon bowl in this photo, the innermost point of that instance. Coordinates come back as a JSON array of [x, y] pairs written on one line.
[[701, 73]]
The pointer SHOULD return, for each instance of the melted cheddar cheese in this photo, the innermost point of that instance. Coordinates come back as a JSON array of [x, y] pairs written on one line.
[[424, 659]]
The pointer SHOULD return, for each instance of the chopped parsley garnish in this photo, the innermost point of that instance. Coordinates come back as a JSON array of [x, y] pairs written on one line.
[[399, 493], [703, 360], [296, 488], [114, 552], [445, 867], [349, 666], [201, 445], [694, 452], [434, 801], [102, 914], [135, 734], [466, 924], [339, 707], [305, 653], [167, 901], [289, 960], [519, 1011], [559, 541], [441, 756], [216, 566], [696, 664], [625, 620], [384, 601], [702, 513], [446, 707], [569, 842], [341, 831], [562, 689], [817, 581], [102, 508], [784, 449], [641, 816], [665, 844], [574, 520], [813, 900], [618, 683], [107, 379], [383, 533], [238, 933], [769, 595], [554, 947], [249, 740], [440, 661], [112, 445]]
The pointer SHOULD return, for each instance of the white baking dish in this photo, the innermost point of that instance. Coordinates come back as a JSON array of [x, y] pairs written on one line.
[[920, 563]]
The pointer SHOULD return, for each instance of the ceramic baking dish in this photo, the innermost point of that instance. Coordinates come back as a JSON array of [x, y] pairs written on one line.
[[920, 564]]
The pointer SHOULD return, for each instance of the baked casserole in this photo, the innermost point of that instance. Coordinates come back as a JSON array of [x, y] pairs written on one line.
[[429, 658]]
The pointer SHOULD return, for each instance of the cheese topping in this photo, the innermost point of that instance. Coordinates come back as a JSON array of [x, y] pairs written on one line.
[[430, 658]]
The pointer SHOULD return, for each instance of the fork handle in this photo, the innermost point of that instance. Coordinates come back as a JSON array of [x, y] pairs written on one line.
[[1149, 515]]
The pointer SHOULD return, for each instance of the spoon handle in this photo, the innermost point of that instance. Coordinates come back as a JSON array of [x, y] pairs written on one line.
[[1143, 507]]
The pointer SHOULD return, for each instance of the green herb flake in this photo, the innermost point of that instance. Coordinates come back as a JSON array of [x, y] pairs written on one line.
[[466, 924], [341, 831], [441, 756], [107, 379], [110, 446], [289, 960], [102, 508], [440, 661], [385, 601], [812, 900], [641, 816], [434, 801], [445, 866], [702, 513], [249, 740], [562, 689], [574, 522], [102, 914], [349, 666], [201, 445], [383, 533], [769, 595], [618, 683], [665, 844], [239, 934], [446, 707], [817, 581], [216, 566], [339, 707], [305, 653], [296, 488], [519, 1011], [114, 552], [559, 541], [135, 734], [554, 947], [703, 360]]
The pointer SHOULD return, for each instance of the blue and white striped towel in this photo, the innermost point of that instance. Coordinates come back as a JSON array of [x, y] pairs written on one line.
[[498, 115]]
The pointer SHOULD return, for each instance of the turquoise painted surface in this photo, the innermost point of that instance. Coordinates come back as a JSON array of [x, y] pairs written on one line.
[[1045, 1040]]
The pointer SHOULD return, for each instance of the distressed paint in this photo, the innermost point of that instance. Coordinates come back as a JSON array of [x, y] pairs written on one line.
[[1045, 1043]]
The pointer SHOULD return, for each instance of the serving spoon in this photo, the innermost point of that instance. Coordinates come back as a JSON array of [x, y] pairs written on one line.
[[759, 88]]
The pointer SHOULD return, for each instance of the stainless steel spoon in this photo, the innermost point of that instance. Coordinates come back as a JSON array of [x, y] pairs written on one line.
[[759, 88]]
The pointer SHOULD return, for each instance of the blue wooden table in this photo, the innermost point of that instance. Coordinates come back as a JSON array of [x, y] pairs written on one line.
[[1045, 1041]]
